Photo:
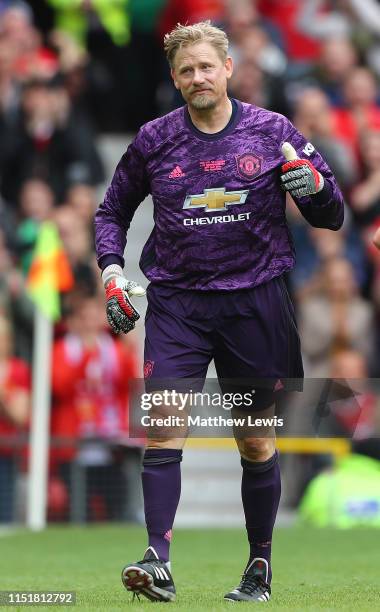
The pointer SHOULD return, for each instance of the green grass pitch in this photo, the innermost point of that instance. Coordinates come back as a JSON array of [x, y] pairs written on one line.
[[313, 569]]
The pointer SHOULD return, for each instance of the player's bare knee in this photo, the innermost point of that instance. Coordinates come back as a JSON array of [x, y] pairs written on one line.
[[164, 425], [256, 449], [176, 443]]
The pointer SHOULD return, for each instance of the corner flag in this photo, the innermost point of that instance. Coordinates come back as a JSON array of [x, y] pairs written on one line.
[[48, 275], [50, 272]]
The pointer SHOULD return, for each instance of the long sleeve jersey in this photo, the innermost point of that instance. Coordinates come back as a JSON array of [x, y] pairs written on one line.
[[219, 209]]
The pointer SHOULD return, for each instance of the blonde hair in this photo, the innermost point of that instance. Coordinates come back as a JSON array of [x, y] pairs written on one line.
[[184, 35]]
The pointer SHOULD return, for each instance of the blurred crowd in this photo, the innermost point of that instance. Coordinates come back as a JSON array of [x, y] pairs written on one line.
[[73, 69]]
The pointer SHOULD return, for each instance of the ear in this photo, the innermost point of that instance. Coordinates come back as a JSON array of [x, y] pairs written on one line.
[[229, 67], [176, 85]]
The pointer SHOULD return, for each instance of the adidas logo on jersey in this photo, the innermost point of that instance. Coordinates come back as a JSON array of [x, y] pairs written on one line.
[[176, 173]]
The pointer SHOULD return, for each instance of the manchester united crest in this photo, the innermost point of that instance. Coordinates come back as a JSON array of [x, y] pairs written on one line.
[[248, 165], [148, 368]]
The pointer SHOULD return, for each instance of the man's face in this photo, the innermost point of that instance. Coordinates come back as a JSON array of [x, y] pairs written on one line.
[[201, 75]]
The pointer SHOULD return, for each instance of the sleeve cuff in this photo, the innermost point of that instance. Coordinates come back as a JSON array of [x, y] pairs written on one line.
[[108, 260], [324, 196]]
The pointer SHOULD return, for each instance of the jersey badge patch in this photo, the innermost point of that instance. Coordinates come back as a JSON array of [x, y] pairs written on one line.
[[248, 165]]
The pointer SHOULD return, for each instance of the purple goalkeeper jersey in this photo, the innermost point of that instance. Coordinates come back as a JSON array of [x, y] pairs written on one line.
[[219, 210]]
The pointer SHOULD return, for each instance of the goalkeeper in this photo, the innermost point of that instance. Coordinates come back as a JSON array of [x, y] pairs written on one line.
[[218, 171]]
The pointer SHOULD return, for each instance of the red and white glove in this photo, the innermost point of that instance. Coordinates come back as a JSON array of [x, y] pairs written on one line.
[[121, 314], [299, 176]]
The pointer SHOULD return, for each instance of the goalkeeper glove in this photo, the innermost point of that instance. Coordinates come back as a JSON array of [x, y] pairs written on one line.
[[300, 178], [121, 314]]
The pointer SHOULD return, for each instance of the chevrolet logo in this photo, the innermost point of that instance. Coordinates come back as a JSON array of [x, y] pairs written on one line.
[[215, 199]]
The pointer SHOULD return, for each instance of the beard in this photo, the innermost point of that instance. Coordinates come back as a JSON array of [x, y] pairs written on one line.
[[202, 102]]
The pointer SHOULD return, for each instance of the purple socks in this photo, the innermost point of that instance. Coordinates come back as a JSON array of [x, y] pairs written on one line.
[[161, 480], [260, 492]]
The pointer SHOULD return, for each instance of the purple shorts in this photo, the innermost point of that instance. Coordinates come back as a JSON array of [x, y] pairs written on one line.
[[250, 334]]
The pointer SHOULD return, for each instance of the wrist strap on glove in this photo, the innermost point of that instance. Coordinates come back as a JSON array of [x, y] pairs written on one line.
[[111, 272]]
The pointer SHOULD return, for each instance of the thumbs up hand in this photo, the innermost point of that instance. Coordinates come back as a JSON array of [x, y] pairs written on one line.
[[299, 176]]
